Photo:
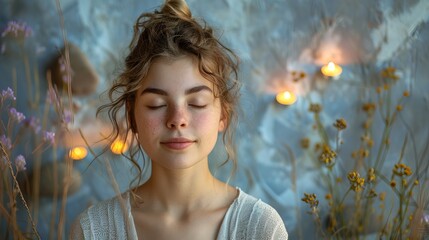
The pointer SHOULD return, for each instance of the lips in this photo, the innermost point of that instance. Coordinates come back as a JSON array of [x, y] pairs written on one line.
[[177, 143]]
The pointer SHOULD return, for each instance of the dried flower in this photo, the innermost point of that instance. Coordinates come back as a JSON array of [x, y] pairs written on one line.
[[356, 182], [34, 124], [6, 142], [399, 108], [416, 182], [393, 183], [17, 30], [401, 169], [49, 137], [314, 107], [340, 124], [371, 175], [327, 156], [17, 116], [369, 107], [372, 193], [406, 94], [20, 163], [389, 72], [305, 143], [8, 93], [328, 196], [311, 200]]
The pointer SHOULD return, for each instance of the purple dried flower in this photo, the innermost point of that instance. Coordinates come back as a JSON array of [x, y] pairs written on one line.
[[34, 123], [49, 137], [20, 163], [6, 142], [18, 116], [17, 29], [8, 93], [67, 116]]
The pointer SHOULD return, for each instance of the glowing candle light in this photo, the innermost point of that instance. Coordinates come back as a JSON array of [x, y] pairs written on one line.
[[331, 70], [119, 146], [286, 98], [78, 153]]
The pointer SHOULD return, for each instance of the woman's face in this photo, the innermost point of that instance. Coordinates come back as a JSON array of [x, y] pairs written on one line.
[[176, 114]]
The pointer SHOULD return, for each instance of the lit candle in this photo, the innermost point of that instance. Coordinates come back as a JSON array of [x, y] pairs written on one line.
[[78, 153], [286, 98], [119, 146], [331, 70]]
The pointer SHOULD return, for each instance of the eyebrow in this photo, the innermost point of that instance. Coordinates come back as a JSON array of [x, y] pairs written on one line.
[[187, 92]]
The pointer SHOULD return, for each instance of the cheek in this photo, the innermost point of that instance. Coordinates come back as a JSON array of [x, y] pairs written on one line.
[[147, 126], [207, 121]]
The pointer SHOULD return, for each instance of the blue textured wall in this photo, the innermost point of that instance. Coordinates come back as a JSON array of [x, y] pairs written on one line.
[[272, 38]]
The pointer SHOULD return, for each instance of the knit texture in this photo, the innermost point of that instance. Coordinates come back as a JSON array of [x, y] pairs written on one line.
[[247, 218]]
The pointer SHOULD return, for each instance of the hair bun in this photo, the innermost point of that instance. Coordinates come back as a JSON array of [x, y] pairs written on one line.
[[177, 8]]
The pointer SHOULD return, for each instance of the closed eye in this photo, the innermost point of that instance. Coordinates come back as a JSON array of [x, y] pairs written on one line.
[[156, 107], [197, 106]]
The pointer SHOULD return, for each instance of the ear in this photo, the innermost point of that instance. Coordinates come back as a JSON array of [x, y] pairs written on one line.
[[223, 123]]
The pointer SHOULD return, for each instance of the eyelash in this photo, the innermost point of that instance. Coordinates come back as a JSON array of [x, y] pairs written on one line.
[[191, 105]]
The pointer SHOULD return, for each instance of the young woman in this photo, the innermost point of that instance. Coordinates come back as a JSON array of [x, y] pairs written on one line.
[[178, 95]]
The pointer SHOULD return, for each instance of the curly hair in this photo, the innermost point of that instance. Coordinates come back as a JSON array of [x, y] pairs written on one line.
[[171, 33]]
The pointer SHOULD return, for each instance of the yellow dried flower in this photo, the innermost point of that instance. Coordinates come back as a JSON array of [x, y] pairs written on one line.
[[372, 193], [401, 169], [356, 182], [416, 182], [340, 124], [328, 196], [310, 199], [406, 94], [389, 72], [305, 143], [364, 153], [399, 108], [368, 107], [302, 74], [327, 156], [316, 108], [371, 175]]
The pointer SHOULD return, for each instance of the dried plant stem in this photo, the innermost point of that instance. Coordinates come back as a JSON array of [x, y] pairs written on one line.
[[19, 192], [54, 197], [67, 182]]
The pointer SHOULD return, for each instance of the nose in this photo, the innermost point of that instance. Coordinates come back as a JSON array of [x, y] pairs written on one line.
[[177, 118]]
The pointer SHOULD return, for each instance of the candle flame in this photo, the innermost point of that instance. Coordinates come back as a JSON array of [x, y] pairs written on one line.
[[78, 153], [331, 70], [119, 146], [286, 98]]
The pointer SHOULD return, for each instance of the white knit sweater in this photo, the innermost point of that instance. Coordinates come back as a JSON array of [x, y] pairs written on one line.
[[247, 218]]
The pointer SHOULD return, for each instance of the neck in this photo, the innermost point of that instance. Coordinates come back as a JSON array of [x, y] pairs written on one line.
[[180, 190]]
